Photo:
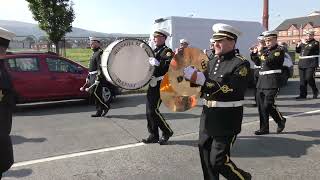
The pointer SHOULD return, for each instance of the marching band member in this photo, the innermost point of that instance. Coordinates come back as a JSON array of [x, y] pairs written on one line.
[[223, 85]]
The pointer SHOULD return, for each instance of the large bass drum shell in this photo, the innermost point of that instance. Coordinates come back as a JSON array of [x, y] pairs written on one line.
[[125, 63]]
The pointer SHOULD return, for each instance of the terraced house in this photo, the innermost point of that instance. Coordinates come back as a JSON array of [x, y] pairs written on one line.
[[292, 30]]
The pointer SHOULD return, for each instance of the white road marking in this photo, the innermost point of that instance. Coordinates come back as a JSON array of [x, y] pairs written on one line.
[[66, 156]]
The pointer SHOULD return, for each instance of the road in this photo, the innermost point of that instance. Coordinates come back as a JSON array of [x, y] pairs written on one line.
[[60, 141]]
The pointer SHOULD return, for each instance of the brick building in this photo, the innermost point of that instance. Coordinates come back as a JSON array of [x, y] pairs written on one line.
[[292, 30]]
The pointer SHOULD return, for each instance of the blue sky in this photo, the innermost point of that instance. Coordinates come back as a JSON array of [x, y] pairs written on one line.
[[137, 16]]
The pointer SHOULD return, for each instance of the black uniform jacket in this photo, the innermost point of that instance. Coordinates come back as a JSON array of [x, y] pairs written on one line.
[[6, 108], [308, 49], [95, 65], [271, 59], [164, 55], [226, 80]]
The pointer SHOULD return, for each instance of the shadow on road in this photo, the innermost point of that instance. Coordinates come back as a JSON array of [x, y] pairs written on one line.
[[268, 146], [66, 107], [193, 143], [20, 140], [168, 116], [18, 173]]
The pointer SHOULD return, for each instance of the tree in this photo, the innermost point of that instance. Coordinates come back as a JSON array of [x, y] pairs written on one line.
[[55, 17]]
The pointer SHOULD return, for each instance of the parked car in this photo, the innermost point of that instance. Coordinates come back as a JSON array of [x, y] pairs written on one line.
[[45, 76]]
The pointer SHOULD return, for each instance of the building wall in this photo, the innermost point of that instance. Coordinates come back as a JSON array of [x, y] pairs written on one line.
[[294, 34]]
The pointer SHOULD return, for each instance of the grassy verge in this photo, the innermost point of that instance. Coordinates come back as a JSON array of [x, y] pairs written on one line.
[[81, 56]]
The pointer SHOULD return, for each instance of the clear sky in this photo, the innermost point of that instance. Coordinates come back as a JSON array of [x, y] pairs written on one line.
[[137, 16]]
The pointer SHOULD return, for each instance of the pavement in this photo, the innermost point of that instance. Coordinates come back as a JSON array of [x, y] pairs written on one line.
[[59, 142]]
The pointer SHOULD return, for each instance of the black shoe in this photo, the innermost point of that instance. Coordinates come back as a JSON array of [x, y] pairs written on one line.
[[282, 125], [301, 97], [260, 132], [97, 114], [105, 111], [315, 95], [150, 140], [164, 139], [247, 176]]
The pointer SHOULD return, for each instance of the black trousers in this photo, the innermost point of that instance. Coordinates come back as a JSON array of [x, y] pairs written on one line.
[[99, 101], [307, 77], [266, 107], [154, 117], [215, 158]]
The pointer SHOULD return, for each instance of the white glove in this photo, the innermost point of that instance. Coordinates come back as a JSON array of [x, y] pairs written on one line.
[[187, 72], [200, 78], [153, 61], [82, 89]]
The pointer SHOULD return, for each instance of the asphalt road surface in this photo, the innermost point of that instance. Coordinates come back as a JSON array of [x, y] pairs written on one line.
[[60, 141]]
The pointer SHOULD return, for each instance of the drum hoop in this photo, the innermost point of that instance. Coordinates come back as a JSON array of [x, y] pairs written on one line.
[[119, 41]]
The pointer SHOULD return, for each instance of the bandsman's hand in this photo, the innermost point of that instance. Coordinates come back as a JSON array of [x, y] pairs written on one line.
[[188, 72], [153, 61]]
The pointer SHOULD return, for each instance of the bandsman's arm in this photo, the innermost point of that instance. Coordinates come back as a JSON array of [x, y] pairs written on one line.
[[165, 60], [298, 48], [316, 47]]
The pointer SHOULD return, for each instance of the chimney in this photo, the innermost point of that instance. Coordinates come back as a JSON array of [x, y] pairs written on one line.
[[265, 17]]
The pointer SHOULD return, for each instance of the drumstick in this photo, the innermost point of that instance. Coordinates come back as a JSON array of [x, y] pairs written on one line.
[[95, 83], [82, 87]]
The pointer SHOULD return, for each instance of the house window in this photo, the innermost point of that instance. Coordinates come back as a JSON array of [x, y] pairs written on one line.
[[289, 33]]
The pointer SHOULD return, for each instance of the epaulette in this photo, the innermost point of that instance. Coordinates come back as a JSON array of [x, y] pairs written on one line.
[[241, 57]]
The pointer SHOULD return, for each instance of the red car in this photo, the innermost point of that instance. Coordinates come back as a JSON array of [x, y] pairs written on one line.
[[45, 76]]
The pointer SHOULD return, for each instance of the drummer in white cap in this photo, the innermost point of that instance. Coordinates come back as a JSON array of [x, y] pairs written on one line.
[[161, 62], [223, 86], [6, 106], [96, 79], [184, 43]]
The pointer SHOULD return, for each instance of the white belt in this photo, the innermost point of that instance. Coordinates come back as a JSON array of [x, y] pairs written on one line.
[[307, 57], [222, 104], [154, 80], [270, 72], [257, 67], [93, 72]]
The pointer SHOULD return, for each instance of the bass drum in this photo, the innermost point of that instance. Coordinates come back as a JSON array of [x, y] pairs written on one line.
[[125, 63]]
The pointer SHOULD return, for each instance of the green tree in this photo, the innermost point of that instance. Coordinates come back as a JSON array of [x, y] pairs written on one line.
[[55, 17]]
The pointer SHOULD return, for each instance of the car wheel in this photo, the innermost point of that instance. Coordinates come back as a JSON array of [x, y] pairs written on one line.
[[107, 94]]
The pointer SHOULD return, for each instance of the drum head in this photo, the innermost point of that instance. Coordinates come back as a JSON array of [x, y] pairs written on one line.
[[125, 63]]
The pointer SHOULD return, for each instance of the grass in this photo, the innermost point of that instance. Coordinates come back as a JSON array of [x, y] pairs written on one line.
[[81, 56]]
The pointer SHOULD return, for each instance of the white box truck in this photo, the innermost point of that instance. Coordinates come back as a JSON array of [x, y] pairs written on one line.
[[198, 32]]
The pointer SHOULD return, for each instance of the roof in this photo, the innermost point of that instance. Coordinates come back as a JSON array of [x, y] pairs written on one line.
[[299, 22]]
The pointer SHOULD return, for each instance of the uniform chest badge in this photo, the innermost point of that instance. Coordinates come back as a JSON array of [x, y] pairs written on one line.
[[169, 54], [226, 89], [263, 58], [243, 71], [277, 54], [209, 85]]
